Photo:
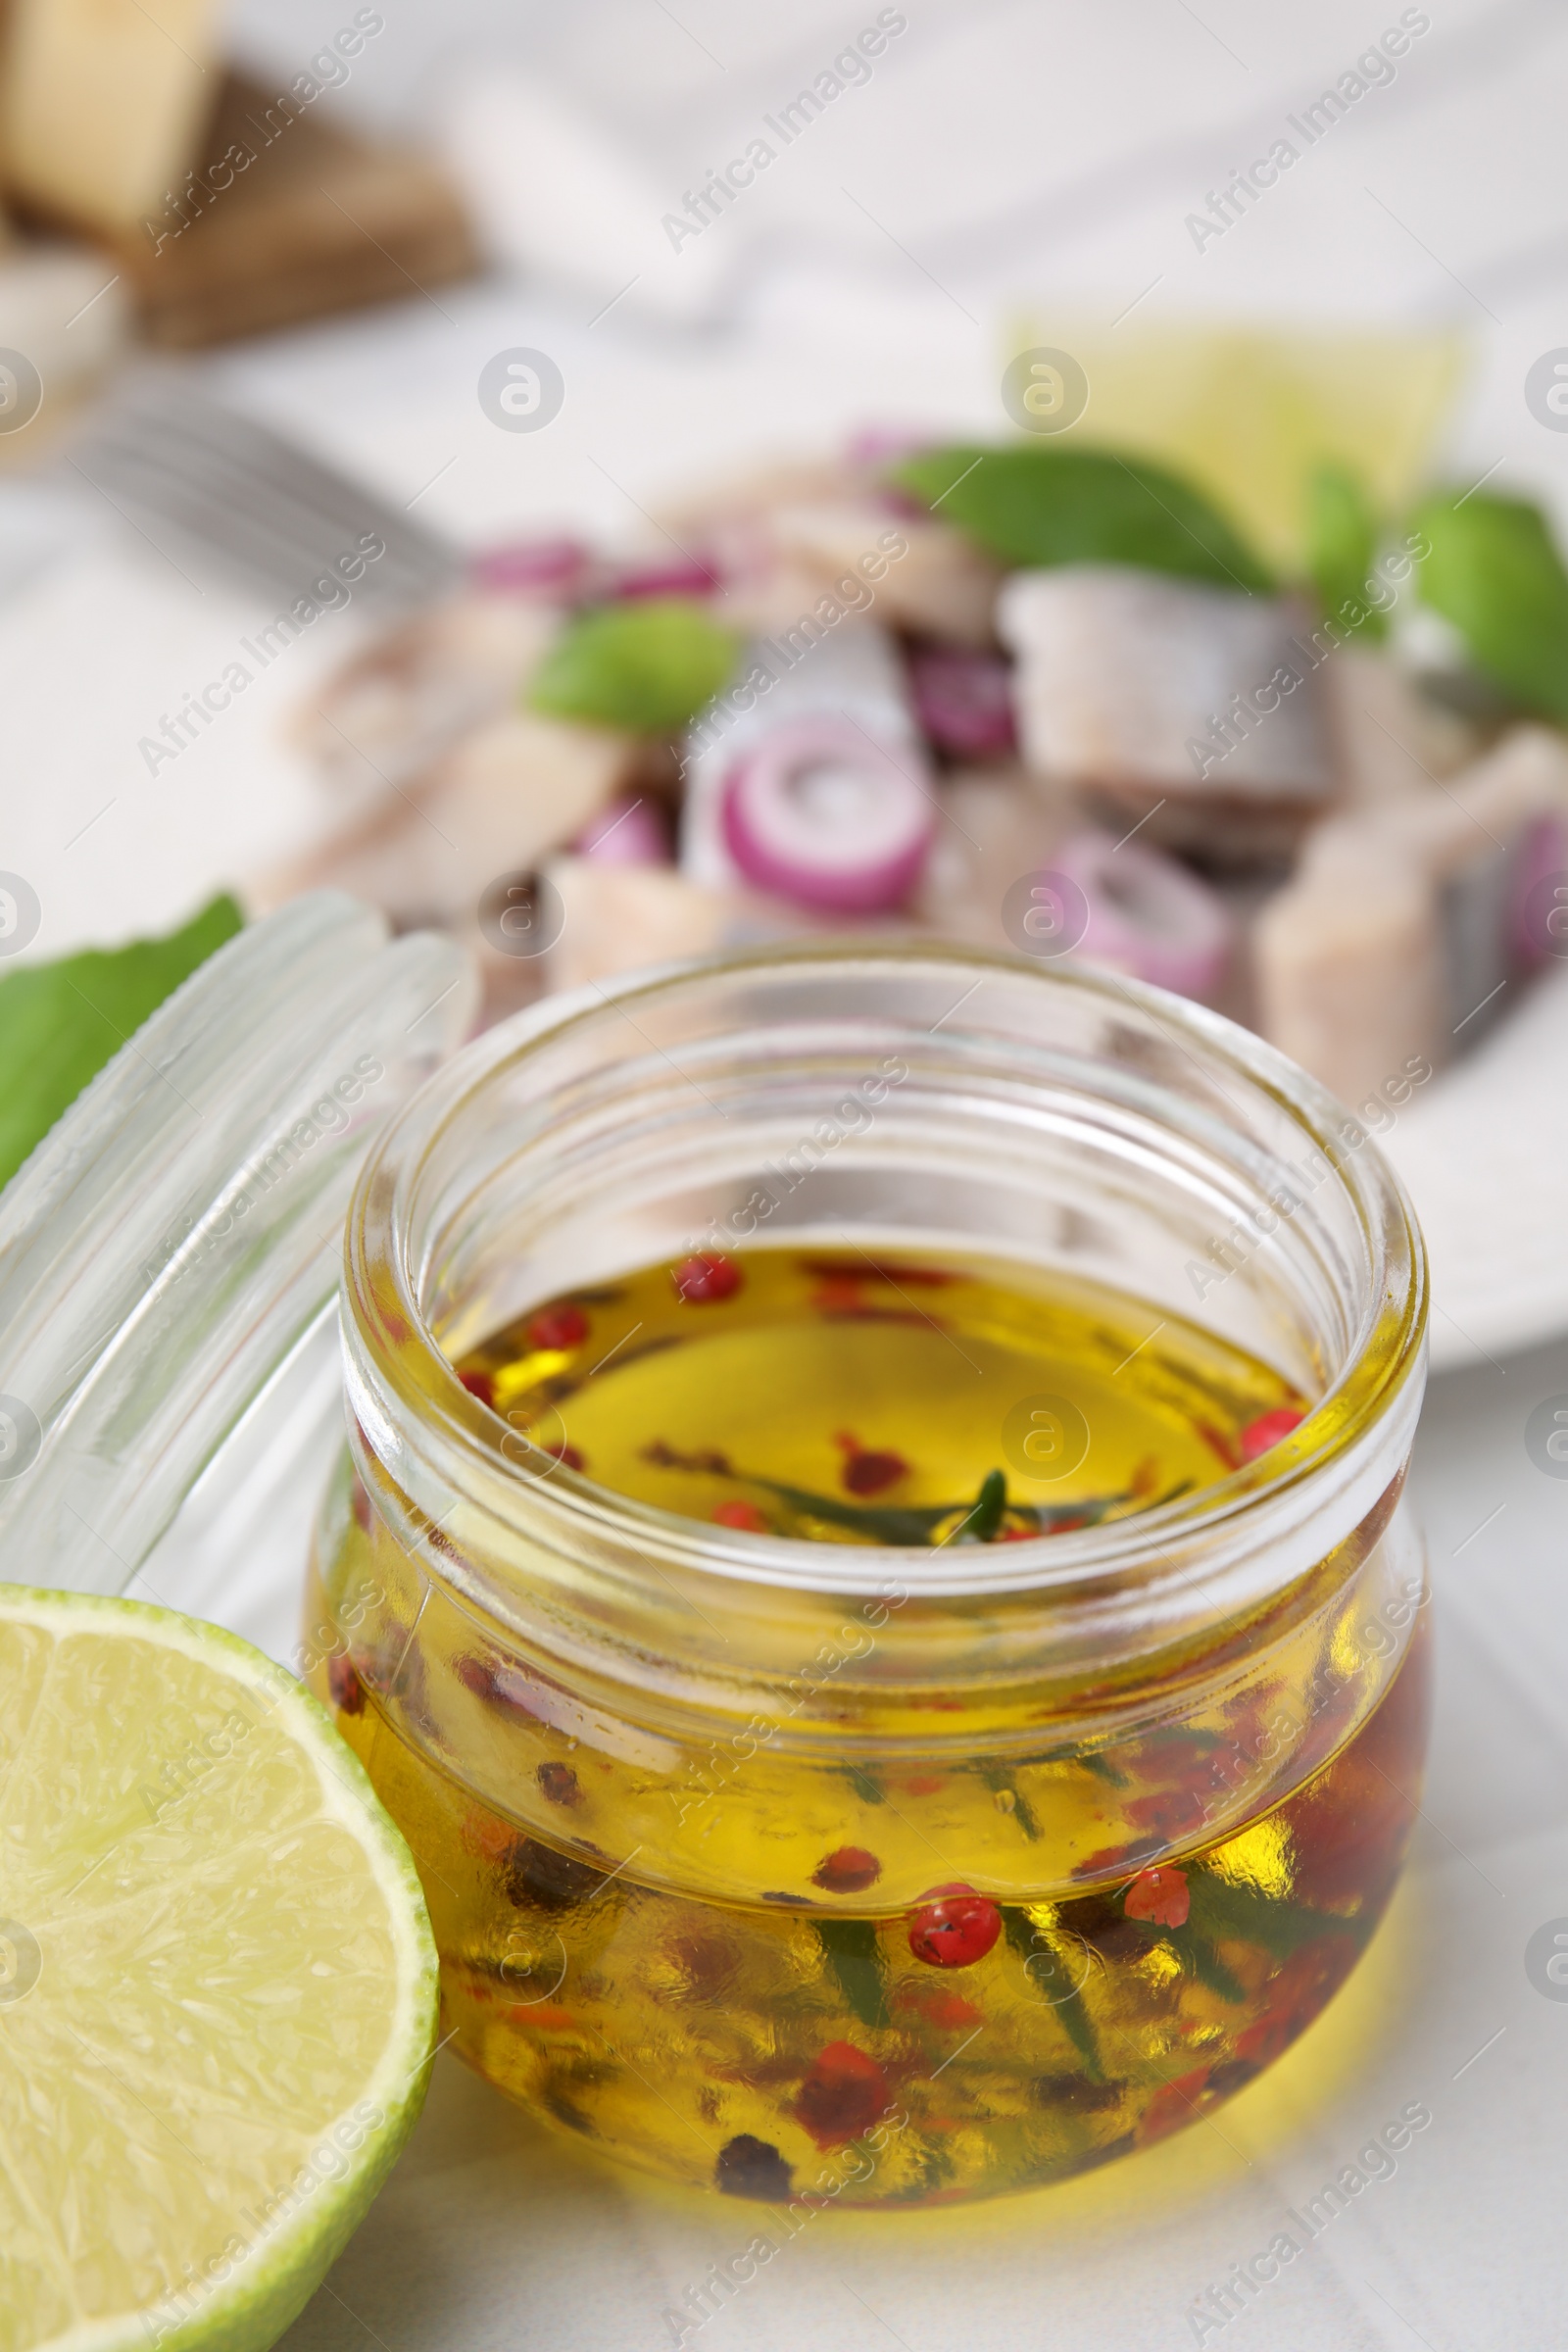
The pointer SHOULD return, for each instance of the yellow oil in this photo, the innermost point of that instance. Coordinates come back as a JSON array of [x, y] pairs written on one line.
[[803, 1990], [845, 1399]]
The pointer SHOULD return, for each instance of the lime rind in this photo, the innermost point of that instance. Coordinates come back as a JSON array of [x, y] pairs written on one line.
[[239, 2296]]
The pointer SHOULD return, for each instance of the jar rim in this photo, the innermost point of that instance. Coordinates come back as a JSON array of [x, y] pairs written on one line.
[[1356, 1434]]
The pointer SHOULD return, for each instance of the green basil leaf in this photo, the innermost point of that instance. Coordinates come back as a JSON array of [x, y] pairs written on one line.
[[647, 665], [1038, 507], [1225, 1910], [60, 1022], [1342, 543], [987, 1511], [1495, 572], [851, 1950], [1071, 2014]]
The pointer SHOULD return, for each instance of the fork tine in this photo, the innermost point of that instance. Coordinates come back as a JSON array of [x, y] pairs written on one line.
[[170, 453], [254, 456], [265, 550], [278, 523], [263, 534], [176, 421]]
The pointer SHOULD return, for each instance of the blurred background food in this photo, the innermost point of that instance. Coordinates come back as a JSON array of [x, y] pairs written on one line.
[[1036, 696], [228, 205], [637, 483]]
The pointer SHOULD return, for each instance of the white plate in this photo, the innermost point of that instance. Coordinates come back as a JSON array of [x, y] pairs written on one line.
[[1485, 1157]]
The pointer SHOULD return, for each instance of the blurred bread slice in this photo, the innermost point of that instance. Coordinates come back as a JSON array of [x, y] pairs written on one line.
[[287, 217]]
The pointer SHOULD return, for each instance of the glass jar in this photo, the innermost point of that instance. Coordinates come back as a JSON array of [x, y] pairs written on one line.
[[683, 1796]]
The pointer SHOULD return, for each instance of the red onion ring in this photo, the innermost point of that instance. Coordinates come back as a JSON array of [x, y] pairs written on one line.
[[819, 812], [964, 701], [675, 575], [1148, 915], [533, 566], [625, 833], [1543, 852]]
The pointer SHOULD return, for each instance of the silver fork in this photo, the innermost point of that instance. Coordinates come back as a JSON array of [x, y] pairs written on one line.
[[168, 455]]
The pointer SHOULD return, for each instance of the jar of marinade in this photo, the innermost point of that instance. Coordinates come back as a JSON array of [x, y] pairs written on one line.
[[870, 1564]]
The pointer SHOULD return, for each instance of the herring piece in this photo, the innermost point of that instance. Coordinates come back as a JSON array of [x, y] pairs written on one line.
[[1347, 963], [923, 576], [404, 703], [785, 538], [1496, 828], [1406, 929], [509, 794], [1388, 737], [995, 827], [730, 524], [625, 918], [620, 919], [1188, 708], [743, 501]]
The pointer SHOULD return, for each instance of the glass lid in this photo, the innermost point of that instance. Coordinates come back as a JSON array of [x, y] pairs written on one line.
[[171, 1246]]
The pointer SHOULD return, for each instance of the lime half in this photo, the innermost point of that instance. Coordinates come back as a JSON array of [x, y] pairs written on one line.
[[218, 1985]]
